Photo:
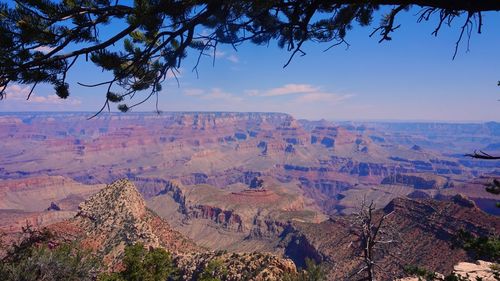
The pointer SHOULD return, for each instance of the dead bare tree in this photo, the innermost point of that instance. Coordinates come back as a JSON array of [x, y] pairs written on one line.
[[373, 237]]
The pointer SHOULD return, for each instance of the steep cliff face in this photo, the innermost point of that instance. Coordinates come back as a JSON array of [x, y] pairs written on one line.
[[364, 169], [226, 218], [266, 228]]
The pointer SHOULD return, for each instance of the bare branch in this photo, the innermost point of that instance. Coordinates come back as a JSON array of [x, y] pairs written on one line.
[[482, 155]]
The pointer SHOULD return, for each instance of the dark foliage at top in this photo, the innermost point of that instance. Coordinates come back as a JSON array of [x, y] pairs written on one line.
[[41, 40]]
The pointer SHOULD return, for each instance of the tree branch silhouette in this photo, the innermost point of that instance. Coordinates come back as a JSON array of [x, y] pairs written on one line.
[[482, 155]]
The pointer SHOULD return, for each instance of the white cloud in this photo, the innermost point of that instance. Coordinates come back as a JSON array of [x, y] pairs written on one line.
[[54, 99], [214, 94], [233, 58], [230, 57], [220, 54], [321, 97], [18, 93], [252, 92], [219, 94], [291, 89], [194, 92], [301, 92], [301, 100], [309, 101]]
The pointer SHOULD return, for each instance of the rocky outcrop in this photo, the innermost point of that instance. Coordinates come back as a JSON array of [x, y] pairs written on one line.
[[418, 194], [175, 192], [117, 207], [479, 270], [117, 216], [266, 228], [462, 200], [235, 266], [53, 207], [226, 218]]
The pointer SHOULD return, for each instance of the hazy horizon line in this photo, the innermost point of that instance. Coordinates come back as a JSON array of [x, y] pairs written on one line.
[[362, 120]]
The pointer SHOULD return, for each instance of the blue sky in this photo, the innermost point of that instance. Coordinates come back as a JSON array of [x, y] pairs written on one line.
[[412, 77]]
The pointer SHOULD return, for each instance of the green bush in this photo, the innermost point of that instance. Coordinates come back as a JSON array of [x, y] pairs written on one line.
[[484, 248], [420, 273], [144, 265], [312, 272], [39, 262], [213, 269]]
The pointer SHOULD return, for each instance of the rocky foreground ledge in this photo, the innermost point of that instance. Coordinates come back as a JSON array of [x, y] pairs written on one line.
[[480, 270]]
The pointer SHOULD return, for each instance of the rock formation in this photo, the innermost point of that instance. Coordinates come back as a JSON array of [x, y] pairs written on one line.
[[117, 216]]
